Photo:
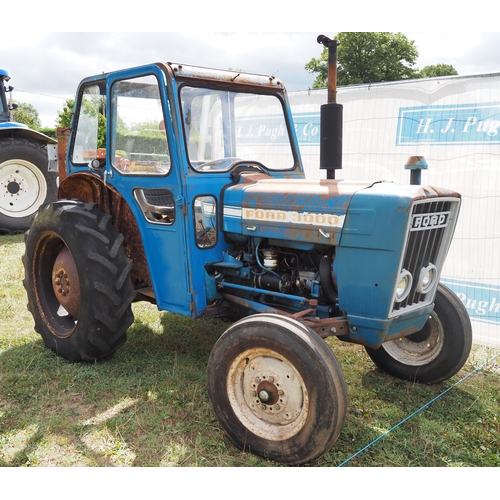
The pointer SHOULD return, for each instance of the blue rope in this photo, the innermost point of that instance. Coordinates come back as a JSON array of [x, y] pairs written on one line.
[[417, 411]]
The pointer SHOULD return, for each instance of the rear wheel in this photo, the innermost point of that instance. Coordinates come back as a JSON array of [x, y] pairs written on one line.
[[25, 183], [277, 389], [435, 353], [77, 278]]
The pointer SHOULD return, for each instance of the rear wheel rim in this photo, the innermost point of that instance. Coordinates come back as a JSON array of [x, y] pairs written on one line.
[[66, 283], [23, 188], [47, 265]]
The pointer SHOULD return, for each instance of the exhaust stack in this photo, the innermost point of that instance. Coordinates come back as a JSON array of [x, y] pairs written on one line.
[[331, 116]]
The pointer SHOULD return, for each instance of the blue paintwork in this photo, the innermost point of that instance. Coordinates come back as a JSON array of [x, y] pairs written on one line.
[[368, 257], [365, 222], [166, 247], [368, 261], [8, 128], [179, 277], [23, 131], [310, 197], [13, 126]]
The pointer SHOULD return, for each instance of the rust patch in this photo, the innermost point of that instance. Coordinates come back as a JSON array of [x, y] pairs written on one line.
[[324, 327], [65, 282], [62, 135], [91, 189]]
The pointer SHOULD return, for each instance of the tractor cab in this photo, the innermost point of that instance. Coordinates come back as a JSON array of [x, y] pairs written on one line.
[[166, 140]]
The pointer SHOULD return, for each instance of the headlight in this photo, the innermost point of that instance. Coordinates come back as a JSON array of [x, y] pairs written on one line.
[[403, 286], [427, 279]]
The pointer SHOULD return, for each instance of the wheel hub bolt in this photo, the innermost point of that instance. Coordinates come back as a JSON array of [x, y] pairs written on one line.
[[264, 396], [13, 187], [63, 282]]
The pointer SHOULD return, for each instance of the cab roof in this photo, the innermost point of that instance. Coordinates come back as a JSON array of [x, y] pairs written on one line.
[[224, 76]]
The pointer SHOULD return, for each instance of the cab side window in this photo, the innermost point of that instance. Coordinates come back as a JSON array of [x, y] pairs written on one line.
[[205, 213], [90, 137], [139, 140]]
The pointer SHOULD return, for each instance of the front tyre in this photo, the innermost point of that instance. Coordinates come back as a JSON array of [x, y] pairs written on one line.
[[435, 353], [25, 183], [77, 278], [277, 389]]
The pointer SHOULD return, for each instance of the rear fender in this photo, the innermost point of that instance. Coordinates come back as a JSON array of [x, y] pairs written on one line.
[[11, 129], [91, 189]]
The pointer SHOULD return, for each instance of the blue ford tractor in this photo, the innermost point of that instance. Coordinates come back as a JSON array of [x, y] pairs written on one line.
[[184, 186], [27, 174]]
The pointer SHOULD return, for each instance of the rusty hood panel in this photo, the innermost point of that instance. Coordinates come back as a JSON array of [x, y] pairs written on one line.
[[308, 211]]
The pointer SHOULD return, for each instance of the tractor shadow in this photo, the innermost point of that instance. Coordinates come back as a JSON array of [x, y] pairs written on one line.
[[146, 405]]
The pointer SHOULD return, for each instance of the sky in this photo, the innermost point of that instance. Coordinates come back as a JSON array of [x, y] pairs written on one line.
[[46, 67]]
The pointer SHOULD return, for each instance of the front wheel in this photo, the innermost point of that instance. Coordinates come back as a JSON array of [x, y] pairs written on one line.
[[435, 353], [77, 278], [277, 389]]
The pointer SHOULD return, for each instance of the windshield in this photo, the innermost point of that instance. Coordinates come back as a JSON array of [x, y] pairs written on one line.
[[222, 127]]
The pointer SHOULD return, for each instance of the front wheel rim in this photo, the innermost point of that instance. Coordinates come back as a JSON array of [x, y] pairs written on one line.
[[23, 188], [267, 394], [419, 353]]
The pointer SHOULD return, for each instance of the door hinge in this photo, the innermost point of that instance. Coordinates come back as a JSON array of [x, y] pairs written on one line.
[[181, 203]]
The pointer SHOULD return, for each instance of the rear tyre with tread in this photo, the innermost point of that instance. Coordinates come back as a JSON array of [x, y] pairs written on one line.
[[77, 277], [277, 389]]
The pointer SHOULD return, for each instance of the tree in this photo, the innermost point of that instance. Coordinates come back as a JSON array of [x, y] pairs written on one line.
[[365, 57], [64, 116], [27, 114], [437, 70], [319, 65], [91, 107]]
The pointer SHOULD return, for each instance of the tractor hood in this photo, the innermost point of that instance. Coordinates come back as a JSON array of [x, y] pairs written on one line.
[[310, 212]]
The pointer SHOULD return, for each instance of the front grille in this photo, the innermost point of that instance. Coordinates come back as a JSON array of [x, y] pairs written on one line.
[[429, 235]]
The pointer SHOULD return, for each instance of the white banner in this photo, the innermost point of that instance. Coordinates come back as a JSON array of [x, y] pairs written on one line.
[[454, 122]]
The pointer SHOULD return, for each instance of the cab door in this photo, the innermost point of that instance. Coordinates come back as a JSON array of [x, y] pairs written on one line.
[[144, 167]]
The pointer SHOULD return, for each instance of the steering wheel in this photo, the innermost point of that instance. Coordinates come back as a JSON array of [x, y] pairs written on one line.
[[241, 166], [219, 164]]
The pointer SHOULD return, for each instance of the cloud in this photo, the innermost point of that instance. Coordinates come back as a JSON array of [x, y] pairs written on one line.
[[471, 53], [46, 68]]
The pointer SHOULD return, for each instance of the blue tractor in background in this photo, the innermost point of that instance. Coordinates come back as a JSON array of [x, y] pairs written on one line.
[[27, 177], [184, 186]]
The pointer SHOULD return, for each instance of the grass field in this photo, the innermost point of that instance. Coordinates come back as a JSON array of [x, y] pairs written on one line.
[[147, 405]]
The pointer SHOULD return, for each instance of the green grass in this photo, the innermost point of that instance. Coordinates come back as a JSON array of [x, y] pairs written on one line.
[[147, 405]]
